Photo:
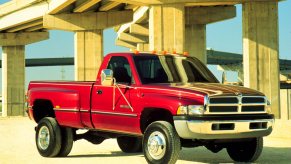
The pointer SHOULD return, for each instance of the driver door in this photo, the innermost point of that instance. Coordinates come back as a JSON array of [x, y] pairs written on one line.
[[111, 105]]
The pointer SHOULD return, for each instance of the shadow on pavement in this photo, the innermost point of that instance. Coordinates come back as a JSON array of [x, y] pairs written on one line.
[[201, 154], [112, 154]]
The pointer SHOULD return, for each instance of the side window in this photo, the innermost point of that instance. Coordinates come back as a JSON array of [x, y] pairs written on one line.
[[121, 69]]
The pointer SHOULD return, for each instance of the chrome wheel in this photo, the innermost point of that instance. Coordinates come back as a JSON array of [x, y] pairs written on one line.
[[157, 145], [43, 138]]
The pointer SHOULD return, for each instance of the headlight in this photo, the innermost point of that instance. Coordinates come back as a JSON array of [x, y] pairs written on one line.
[[196, 109], [191, 110], [268, 107]]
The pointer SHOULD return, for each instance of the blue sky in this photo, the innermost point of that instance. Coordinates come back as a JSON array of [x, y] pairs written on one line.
[[223, 36]]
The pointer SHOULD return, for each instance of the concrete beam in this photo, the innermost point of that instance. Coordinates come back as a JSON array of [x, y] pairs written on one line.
[[25, 26], [130, 7], [125, 44], [26, 15], [109, 5], [55, 6], [138, 16], [260, 50], [15, 39], [133, 38], [86, 5], [15, 5], [206, 15], [139, 30], [86, 21], [188, 2], [34, 28]]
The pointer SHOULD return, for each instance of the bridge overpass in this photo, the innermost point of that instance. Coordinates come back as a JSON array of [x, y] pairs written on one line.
[[213, 58], [156, 24]]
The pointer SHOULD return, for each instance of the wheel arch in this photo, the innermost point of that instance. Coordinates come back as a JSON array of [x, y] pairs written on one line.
[[42, 108], [151, 114]]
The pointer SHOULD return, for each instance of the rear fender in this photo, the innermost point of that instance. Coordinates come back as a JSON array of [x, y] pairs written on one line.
[[66, 104]]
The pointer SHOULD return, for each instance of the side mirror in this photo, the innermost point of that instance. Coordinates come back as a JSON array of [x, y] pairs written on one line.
[[107, 77]]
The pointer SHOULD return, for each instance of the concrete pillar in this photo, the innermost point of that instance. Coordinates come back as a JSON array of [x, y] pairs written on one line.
[[88, 54], [167, 28], [13, 80], [195, 44], [260, 50], [143, 47], [88, 28], [13, 69]]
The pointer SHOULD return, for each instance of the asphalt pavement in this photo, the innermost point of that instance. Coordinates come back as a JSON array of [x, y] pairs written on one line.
[[17, 145]]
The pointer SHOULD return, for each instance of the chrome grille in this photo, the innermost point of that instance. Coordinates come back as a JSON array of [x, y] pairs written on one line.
[[235, 104], [253, 100], [223, 109], [223, 100]]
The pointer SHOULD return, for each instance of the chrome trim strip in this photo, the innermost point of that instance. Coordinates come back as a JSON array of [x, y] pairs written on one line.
[[66, 110], [114, 113], [231, 104], [83, 110]]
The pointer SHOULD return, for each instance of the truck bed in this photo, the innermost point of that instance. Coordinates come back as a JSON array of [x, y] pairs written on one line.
[[70, 100]]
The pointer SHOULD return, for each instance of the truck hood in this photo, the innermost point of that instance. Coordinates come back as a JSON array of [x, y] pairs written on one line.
[[210, 89]]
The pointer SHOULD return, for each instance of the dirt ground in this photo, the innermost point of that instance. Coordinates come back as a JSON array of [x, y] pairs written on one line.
[[17, 145]]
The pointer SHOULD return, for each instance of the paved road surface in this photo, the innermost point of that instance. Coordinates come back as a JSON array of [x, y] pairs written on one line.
[[17, 145]]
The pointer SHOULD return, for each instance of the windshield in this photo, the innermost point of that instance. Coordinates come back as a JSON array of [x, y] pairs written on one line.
[[172, 69]]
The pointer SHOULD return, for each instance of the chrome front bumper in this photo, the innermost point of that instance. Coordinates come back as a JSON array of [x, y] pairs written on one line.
[[223, 129]]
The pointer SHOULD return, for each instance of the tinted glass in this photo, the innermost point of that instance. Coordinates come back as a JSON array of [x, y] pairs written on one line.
[[172, 69]]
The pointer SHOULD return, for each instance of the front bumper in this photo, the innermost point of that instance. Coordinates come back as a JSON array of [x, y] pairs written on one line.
[[224, 127]]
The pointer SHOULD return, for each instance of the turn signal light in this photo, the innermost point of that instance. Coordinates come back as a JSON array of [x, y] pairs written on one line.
[[186, 53], [136, 52]]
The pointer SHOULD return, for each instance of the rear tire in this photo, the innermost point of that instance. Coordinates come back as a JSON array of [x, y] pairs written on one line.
[[48, 137], [130, 144], [161, 143], [67, 141], [248, 151]]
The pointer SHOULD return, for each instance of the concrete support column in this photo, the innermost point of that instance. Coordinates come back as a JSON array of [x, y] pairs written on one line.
[[13, 80], [88, 54], [167, 28], [143, 47], [195, 44], [13, 69], [260, 54]]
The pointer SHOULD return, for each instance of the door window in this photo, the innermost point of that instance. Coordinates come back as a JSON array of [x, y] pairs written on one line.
[[121, 69]]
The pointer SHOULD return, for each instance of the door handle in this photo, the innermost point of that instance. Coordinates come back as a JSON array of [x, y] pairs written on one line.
[[99, 92]]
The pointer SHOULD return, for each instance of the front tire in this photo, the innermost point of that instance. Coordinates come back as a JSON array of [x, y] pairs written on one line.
[[161, 143], [130, 144], [247, 151], [48, 137]]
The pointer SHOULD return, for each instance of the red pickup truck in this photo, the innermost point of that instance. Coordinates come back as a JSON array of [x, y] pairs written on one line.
[[151, 103]]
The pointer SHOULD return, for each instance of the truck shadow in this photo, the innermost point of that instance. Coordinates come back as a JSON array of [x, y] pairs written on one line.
[[201, 154], [269, 155], [111, 154]]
